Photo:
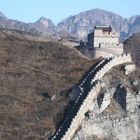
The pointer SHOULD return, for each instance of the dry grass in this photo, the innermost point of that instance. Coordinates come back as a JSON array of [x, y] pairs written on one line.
[[32, 71]]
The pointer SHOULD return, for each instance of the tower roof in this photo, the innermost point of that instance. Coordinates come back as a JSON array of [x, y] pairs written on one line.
[[106, 28]]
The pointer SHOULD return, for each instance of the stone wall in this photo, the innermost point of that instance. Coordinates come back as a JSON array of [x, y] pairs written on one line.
[[107, 52], [117, 60], [90, 87]]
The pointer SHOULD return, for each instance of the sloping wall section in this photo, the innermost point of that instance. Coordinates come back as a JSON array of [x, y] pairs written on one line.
[[90, 87]]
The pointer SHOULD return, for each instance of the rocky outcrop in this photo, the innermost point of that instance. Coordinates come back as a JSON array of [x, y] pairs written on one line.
[[82, 23], [44, 26]]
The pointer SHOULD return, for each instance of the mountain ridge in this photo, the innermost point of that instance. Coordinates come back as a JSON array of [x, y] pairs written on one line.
[[78, 25]]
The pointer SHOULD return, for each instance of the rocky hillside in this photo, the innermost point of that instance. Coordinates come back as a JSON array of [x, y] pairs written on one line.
[[43, 26], [132, 45], [77, 26], [84, 22], [35, 78], [81, 24]]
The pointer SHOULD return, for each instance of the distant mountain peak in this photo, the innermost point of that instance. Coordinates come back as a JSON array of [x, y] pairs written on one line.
[[2, 16], [44, 21], [82, 23]]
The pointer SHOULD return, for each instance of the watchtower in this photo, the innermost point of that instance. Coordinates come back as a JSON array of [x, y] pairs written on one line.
[[102, 37]]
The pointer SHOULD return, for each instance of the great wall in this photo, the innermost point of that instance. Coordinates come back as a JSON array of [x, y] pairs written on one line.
[[102, 41], [90, 87]]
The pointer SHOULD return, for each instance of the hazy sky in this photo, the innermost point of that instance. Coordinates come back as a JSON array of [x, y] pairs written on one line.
[[31, 10]]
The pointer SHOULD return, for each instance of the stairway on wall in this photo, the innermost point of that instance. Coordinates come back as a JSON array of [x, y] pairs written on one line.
[[89, 88], [86, 86]]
